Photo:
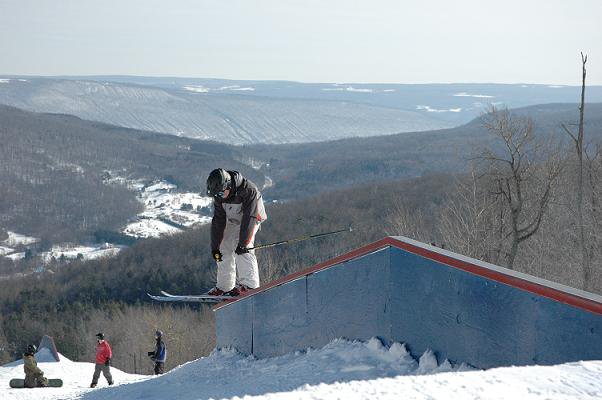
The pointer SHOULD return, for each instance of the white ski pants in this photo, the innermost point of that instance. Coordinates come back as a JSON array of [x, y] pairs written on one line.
[[234, 268]]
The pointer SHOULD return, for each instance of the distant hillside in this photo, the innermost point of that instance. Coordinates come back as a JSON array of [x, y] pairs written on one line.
[[455, 103], [305, 169], [52, 169], [222, 115], [53, 164]]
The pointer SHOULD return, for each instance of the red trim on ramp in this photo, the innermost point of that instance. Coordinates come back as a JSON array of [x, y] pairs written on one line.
[[520, 283]]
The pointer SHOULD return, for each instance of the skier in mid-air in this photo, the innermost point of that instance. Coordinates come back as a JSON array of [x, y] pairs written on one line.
[[238, 211], [159, 354], [34, 377]]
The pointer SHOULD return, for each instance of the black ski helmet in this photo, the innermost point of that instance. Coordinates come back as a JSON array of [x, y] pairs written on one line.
[[158, 334], [31, 349], [218, 181], [100, 336]]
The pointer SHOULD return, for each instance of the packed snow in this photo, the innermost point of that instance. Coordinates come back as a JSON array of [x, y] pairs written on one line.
[[340, 370]]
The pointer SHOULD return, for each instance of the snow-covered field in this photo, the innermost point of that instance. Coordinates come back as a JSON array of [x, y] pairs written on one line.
[[166, 211], [340, 370], [15, 239], [6, 250], [74, 251]]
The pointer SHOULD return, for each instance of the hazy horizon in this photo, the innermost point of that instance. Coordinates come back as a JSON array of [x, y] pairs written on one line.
[[288, 80], [379, 41]]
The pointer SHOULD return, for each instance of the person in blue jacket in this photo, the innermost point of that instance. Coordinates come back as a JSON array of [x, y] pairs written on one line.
[[160, 353]]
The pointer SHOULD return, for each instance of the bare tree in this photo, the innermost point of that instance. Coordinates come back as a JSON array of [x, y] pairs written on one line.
[[403, 221], [467, 221], [593, 249], [521, 176], [578, 141]]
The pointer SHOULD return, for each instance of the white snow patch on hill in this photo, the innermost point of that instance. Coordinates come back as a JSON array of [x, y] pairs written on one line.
[[16, 256], [6, 250], [73, 251], [196, 89], [480, 96], [431, 109], [203, 89], [15, 239], [147, 228], [166, 211]]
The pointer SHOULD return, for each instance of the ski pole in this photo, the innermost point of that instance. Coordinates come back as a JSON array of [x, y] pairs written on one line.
[[299, 239]]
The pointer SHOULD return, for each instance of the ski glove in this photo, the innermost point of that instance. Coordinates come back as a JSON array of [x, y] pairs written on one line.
[[108, 362], [217, 255], [241, 250]]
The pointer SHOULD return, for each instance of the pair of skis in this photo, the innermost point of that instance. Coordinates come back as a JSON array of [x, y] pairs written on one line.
[[195, 298], [205, 298]]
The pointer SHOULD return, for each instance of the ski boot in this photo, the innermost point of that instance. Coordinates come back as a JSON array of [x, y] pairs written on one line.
[[237, 291], [216, 292]]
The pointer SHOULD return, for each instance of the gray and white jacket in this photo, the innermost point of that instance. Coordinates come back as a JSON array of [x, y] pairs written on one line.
[[244, 207]]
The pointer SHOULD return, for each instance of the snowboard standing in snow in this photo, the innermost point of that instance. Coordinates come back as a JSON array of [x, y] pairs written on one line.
[[20, 383]]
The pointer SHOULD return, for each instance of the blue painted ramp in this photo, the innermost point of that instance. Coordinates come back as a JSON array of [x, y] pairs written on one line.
[[401, 290]]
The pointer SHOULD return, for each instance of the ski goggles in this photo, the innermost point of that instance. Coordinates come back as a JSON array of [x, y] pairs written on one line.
[[221, 193]]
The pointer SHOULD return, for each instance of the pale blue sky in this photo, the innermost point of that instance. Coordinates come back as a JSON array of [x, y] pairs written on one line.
[[508, 41]]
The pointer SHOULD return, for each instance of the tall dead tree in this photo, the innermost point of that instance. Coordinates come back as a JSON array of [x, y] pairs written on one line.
[[521, 174], [578, 141]]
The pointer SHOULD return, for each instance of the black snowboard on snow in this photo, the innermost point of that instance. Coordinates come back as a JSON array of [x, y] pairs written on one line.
[[20, 383]]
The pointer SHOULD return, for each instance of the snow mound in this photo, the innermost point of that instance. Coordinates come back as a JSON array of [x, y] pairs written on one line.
[[228, 374], [76, 378], [340, 370]]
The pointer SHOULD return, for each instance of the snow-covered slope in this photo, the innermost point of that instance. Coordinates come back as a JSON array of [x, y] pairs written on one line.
[[340, 370], [226, 117], [76, 378]]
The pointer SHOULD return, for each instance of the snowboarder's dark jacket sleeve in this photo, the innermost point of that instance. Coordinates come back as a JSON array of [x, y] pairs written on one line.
[[160, 354], [243, 192]]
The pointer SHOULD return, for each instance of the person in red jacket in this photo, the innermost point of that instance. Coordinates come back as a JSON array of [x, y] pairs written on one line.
[[103, 360]]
